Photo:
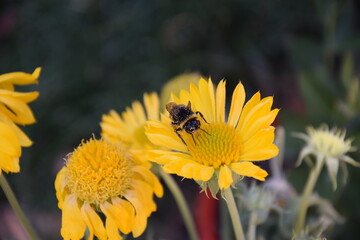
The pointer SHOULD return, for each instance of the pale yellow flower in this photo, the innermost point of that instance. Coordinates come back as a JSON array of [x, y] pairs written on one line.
[[14, 110], [176, 84], [222, 150], [329, 146], [102, 178]]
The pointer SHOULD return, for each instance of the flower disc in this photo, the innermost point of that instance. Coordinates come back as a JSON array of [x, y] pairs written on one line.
[[98, 171]]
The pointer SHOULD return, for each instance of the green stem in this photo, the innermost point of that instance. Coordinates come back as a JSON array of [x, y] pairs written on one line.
[[16, 207], [234, 214], [251, 233], [308, 190], [183, 207]]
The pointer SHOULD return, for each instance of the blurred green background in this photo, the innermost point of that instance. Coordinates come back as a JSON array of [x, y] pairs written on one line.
[[99, 55]]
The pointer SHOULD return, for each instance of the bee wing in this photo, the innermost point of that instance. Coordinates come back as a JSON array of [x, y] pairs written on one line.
[[169, 107]]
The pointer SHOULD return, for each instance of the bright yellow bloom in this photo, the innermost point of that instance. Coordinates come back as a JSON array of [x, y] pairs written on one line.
[[14, 110], [129, 127], [103, 178], [328, 145], [221, 150]]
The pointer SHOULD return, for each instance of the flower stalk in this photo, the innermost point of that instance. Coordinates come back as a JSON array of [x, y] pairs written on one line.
[[251, 232], [16, 207], [308, 190], [183, 207], [234, 214]]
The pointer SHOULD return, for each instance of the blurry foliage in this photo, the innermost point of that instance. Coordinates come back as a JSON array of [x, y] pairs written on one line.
[[98, 55]]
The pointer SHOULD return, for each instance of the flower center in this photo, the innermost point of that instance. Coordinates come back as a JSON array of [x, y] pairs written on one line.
[[329, 144], [215, 144], [97, 171]]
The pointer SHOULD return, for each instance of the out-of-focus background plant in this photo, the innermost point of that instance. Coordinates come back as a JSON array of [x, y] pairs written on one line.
[[99, 55]]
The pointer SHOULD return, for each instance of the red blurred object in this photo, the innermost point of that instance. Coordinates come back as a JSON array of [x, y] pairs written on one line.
[[206, 216], [297, 105], [7, 22]]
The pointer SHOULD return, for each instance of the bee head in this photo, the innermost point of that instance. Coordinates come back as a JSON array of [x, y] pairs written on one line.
[[192, 125]]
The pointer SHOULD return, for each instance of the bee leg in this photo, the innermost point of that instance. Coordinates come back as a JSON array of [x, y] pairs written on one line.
[[201, 115], [178, 134], [205, 131], [193, 138]]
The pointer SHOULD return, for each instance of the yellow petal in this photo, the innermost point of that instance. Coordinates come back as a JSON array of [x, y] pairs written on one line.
[[220, 101], [165, 119], [21, 136], [163, 135], [128, 208], [202, 99], [184, 97], [73, 226], [7, 86], [261, 174], [140, 222], [174, 98], [114, 129], [249, 169], [60, 184], [152, 106], [259, 110], [196, 102], [8, 141], [263, 154], [259, 123], [24, 97], [130, 118], [196, 171], [93, 221], [188, 171], [150, 178], [237, 102], [9, 163], [260, 146], [112, 230], [144, 192], [254, 100], [207, 96], [165, 156], [206, 173], [139, 112], [122, 216], [225, 177], [20, 112], [21, 78], [176, 165]]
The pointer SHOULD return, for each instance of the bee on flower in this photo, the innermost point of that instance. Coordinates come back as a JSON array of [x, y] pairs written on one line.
[[216, 152]]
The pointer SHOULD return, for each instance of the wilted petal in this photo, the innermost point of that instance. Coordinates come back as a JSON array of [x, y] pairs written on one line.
[[332, 167]]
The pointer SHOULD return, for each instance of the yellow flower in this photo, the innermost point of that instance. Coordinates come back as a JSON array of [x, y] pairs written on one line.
[[129, 127], [14, 110], [329, 146], [221, 150], [103, 178]]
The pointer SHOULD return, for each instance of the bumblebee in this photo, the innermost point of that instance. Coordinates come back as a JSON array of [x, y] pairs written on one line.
[[183, 118]]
